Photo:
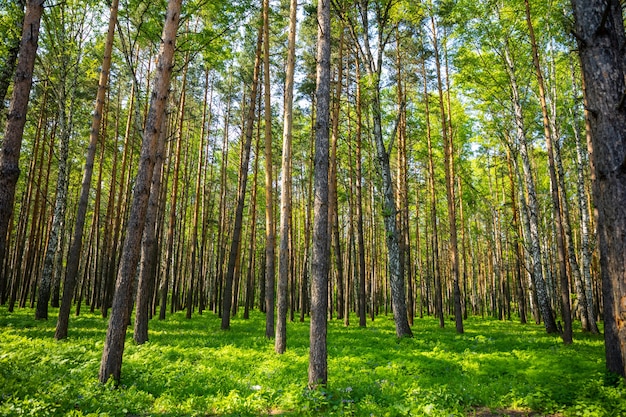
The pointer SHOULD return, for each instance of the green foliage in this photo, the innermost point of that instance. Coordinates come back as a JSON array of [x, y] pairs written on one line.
[[191, 368]]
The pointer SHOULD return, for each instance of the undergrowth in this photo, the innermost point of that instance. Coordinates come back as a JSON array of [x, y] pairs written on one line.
[[192, 368]]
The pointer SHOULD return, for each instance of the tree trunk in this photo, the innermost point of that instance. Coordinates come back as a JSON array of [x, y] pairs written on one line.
[[269, 183], [599, 31], [532, 205], [554, 187], [284, 265], [433, 208], [16, 120], [320, 262], [359, 199], [450, 193], [111, 364], [76, 245], [241, 192]]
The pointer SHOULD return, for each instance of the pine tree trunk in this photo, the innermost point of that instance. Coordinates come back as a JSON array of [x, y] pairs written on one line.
[[16, 120], [241, 192], [599, 30], [76, 244], [284, 264], [320, 261], [269, 183], [359, 200], [111, 364], [438, 297], [450, 193]]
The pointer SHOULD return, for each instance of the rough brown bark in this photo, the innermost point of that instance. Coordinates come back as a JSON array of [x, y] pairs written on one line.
[[76, 244], [320, 261], [16, 120], [241, 192], [599, 30], [111, 364]]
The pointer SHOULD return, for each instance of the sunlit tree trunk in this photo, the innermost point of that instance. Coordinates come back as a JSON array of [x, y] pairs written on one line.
[[554, 187], [531, 205], [111, 364], [241, 192], [438, 297], [76, 244], [584, 216], [270, 268], [450, 189], [284, 264], [362, 297]]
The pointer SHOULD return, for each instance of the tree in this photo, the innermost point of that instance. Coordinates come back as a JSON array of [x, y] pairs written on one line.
[[599, 31], [320, 260], [16, 120], [270, 243], [285, 197], [76, 244], [111, 364]]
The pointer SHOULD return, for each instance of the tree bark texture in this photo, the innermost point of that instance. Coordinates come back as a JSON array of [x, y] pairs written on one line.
[[599, 30], [16, 120], [76, 244], [320, 261], [111, 364]]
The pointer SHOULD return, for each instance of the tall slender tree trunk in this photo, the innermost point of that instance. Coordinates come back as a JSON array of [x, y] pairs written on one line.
[[584, 217], [241, 192], [284, 264], [554, 187], [531, 205], [111, 364], [438, 297], [16, 120], [359, 199], [450, 189], [270, 244], [76, 244], [320, 261], [599, 29]]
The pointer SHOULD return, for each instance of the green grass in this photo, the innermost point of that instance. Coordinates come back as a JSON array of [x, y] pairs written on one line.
[[192, 368]]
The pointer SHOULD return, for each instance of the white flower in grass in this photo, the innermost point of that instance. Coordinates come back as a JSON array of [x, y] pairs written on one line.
[[255, 388]]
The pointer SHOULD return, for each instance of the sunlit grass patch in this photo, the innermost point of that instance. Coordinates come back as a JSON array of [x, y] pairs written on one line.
[[192, 368]]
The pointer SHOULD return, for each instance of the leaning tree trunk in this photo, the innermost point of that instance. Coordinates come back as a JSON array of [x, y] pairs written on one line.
[[241, 192], [13, 48], [76, 245], [599, 30], [111, 365], [16, 120]]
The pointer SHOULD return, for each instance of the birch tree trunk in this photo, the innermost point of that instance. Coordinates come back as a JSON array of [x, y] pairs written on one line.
[[532, 205]]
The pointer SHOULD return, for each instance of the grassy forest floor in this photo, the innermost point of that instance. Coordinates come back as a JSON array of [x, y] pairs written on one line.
[[192, 368]]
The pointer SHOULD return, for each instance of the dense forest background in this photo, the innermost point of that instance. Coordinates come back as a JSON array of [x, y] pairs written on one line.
[[476, 106]]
